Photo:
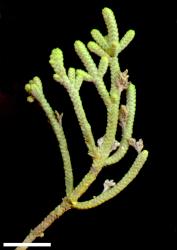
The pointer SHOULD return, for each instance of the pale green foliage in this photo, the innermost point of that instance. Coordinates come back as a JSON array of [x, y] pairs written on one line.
[[129, 176], [126, 39], [34, 87], [110, 21], [107, 47]]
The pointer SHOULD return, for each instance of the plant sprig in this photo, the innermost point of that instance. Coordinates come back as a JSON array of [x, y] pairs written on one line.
[[107, 47]]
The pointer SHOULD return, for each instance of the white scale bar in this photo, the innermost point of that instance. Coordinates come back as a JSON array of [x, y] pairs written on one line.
[[26, 244]]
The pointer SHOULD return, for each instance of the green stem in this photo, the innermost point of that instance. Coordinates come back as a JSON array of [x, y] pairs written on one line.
[[82, 119], [122, 184], [128, 129], [88, 179], [59, 133], [115, 70], [104, 94], [113, 109], [112, 120]]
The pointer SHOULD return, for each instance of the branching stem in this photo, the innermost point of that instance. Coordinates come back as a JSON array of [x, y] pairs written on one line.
[[107, 47]]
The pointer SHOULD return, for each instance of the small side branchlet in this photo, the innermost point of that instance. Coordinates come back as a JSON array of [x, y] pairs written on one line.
[[107, 150], [137, 145], [122, 81]]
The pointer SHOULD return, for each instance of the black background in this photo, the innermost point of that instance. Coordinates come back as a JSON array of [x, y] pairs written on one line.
[[32, 184]]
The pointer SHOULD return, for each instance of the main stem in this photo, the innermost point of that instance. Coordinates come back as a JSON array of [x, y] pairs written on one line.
[[66, 204], [48, 220]]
